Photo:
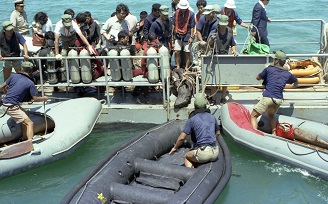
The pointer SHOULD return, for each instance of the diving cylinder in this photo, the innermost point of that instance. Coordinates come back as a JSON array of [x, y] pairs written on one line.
[[62, 75], [152, 66], [86, 73], [114, 65], [74, 69], [165, 62], [126, 65], [51, 68]]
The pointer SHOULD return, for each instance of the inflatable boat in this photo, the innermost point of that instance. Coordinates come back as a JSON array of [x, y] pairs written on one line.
[[68, 124], [307, 155], [142, 171]]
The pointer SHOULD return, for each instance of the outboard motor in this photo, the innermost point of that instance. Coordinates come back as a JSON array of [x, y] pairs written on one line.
[[126, 65], [62, 75], [152, 66], [114, 65], [51, 68], [165, 62], [86, 73], [73, 65]]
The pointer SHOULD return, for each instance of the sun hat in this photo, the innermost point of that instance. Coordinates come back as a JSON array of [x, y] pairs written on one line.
[[280, 55], [208, 9], [223, 20], [217, 8], [230, 4], [27, 64], [7, 25], [164, 10], [200, 102], [67, 19], [183, 4]]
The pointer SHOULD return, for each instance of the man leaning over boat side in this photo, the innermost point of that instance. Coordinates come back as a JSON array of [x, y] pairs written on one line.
[[19, 86], [9, 47], [206, 131], [275, 78]]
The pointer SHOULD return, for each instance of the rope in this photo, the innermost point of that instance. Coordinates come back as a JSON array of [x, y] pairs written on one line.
[[306, 153], [45, 117]]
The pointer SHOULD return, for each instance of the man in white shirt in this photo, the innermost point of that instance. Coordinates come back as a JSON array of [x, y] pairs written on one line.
[[19, 18], [66, 29], [114, 25]]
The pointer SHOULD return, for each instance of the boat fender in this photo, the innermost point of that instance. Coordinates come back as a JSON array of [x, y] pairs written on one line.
[[126, 65], [51, 68], [165, 62], [152, 67], [86, 73], [285, 130], [115, 67], [74, 69]]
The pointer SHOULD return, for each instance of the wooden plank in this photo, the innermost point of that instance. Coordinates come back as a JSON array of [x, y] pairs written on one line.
[[17, 150]]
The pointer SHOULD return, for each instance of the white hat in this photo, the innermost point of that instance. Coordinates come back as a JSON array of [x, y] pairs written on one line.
[[18, 1], [183, 4], [208, 9], [230, 4]]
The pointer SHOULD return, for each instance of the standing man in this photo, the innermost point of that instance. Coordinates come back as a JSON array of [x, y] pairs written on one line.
[[260, 20], [207, 23], [162, 27], [276, 78], [114, 25], [93, 33], [228, 10], [9, 46], [19, 18], [183, 27], [150, 19], [206, 130], [20, 85]]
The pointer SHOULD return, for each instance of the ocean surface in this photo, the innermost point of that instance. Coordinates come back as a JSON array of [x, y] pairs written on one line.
[[255, 179]]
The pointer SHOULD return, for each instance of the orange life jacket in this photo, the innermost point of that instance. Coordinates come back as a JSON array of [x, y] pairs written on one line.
[[231, 17], [181, 23]]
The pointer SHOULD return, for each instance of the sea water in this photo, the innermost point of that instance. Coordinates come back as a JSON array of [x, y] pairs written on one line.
[[255, 179]]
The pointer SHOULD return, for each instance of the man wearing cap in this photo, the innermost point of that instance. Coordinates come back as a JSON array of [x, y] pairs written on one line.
[[66, 29], [224, 41], [114, 25], [204, 130], [260, 21], [20, 86], [162, 27], [9, 47], [19, 18], [150, 19], [275, 78], [228, 10], [207, 24], [183, 28]]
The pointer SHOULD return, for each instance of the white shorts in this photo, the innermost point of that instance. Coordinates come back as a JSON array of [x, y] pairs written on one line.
[[178, 44]]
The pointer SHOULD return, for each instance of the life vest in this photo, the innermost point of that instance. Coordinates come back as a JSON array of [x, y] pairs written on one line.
[[181, 23], [222, 45], [12, 49], [206, 29], [231, 17], [165, 30]]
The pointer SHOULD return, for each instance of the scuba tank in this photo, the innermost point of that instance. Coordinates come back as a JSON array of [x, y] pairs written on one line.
[[152, 66], [126, 65], [86, 73], [51, 68], [62, 75], [73, 65], [114, 65], [165, 62]]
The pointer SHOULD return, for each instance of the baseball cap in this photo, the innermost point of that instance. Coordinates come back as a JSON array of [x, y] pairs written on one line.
[[208, 9], [7, 25], [164, 10], [200, 102], [67, 19], [27, 64], [280, 55]]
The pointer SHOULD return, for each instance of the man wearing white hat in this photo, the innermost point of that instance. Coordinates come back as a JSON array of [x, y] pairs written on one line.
[[19, 18], [228, 10], [207, 24], [183, 26]]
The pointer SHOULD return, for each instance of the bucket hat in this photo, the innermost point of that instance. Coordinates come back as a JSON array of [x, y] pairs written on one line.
[[27, 64], [200, 102], [230, 4], [7, 25], [208, 9], [217, 8], [67, 19], [223, 20], [164, 10], [280, 55], [183, 4]]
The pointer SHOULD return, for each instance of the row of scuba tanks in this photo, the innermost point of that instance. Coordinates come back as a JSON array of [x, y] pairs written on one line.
[[121, 68], [79, 69]]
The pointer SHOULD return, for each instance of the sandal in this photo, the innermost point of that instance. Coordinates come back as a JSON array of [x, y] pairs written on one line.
[[223, 101]]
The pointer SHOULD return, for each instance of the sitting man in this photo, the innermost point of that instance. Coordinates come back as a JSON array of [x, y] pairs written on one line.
[[20, 85], [206, 130], [275, 78]]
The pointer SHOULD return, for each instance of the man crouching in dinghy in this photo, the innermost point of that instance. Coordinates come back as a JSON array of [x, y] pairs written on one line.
[[20, 85], [206, 131], [275, 79]]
